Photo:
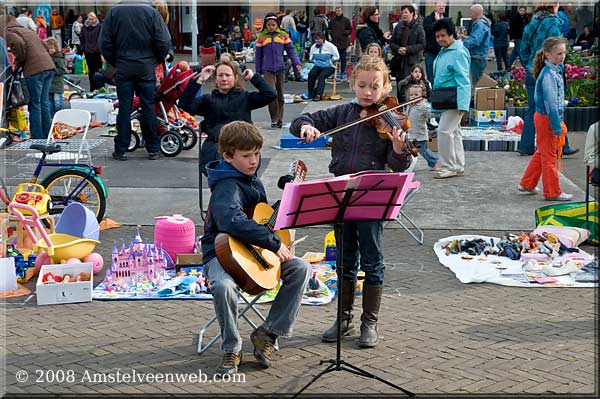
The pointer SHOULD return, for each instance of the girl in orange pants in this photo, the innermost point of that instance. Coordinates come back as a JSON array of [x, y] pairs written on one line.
[[551, 130]]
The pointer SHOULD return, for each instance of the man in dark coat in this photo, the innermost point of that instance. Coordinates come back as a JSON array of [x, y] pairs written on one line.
[[135, 40], [432, 49], [515, 32], [408, 42], [340, 29]]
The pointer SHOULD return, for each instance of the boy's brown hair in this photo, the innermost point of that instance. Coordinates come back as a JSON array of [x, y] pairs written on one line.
[[51, 42], [239, 135]]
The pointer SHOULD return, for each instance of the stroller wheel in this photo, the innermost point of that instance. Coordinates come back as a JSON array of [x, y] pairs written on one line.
[[171, 143], [189, 137], [134, 142]]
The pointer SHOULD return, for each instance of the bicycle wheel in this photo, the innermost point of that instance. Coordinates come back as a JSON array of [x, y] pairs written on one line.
[[61, 186], [189, 137]]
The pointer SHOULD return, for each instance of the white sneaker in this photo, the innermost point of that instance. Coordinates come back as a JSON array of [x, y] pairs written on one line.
[[561, 197], [526, 191], [433, 122], [445, 174]]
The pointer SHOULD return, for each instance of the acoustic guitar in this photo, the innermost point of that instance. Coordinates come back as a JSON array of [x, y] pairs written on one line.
[[256, 269]]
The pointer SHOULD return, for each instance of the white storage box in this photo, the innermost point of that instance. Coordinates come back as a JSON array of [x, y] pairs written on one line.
[[98, 107], [487, 118], [71, 292]]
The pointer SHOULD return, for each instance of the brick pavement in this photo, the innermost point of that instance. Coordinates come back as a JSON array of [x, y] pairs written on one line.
[[438, 336]]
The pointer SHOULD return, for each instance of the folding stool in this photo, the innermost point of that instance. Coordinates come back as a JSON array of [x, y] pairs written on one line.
[[242, 314]]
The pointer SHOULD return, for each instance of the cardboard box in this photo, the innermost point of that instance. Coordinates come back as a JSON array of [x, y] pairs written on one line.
[[71, 292], [486, 81], [487, 118], [98, 107], [185, 260], [189, 259], [490, 99], [432, 145]]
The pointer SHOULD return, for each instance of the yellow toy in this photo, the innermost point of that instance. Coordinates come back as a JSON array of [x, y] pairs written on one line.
[[34, 195]]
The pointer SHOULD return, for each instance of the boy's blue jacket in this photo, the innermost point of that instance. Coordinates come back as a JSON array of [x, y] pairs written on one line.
[[451, 69], [233, 193], [550, 95]]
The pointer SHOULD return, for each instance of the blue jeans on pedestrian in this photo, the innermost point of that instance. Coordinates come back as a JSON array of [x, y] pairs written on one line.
[[302, 43], [56, 103], [284, 310], [429, 58], [361, 245], [427, 154], [478, 65], [38, 86], [527, 143], [317, 75], [516, 52], [126, 87]]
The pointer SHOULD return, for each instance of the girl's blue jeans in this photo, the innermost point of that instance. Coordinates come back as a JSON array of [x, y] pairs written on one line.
[[427, 154]]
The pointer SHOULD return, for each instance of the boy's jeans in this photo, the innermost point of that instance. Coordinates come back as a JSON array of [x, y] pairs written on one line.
[[56, 103], [284, 310], [427, 154]]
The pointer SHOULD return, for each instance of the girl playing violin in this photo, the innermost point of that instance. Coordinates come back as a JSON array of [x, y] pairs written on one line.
[[356, 149]]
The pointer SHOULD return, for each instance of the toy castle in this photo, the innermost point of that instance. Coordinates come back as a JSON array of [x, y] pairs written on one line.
[[139, 260]]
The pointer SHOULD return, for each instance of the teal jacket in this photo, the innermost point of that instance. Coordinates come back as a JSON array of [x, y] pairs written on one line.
[[451, 69], [542, 26]]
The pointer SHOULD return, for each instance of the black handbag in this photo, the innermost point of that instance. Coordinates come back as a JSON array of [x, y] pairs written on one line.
[[17, 93], [444, 98]]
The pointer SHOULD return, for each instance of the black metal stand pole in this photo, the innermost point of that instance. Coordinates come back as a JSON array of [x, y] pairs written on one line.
[[338, 364]]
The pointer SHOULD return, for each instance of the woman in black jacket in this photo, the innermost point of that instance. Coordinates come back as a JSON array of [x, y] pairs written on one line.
[[372, 33], [407, 44], [226, 103], [89, 45]]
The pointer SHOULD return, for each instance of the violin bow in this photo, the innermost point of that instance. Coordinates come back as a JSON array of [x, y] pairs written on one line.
[[366, 118]]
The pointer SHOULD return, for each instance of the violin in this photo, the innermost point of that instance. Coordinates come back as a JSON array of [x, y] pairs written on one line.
[[380, 110], [387, 121]]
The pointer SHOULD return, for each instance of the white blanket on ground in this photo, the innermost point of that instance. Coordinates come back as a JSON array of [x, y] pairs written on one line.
[[494, 269]]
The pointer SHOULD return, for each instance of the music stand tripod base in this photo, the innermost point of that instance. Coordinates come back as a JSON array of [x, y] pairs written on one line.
[[362, 196]]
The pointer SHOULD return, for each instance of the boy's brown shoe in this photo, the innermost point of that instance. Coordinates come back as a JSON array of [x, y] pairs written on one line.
[[264, 346], [230, 363]]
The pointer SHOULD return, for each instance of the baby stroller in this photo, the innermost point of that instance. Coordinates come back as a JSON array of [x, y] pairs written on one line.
[[174, 133]]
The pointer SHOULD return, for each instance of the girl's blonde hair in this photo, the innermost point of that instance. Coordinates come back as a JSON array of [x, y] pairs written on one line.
[[539, 60], [234, 68], [92, 14], [163, 9], [368, 63], [379, 49]]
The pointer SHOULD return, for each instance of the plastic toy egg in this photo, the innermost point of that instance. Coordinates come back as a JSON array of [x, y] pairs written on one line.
[[96, 260], [73, 260], [42, 259]]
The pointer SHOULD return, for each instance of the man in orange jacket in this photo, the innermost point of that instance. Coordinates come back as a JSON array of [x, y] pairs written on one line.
[[57, 23]]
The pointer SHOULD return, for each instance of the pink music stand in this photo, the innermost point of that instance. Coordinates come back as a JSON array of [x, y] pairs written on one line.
[[370, 195]]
